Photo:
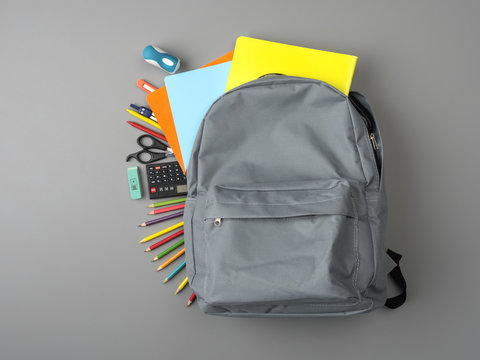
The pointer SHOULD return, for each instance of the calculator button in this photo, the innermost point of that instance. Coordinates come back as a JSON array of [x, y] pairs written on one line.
[[165, 179]]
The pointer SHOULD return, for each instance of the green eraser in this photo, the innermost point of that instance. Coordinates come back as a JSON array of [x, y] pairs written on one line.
[[134, 183]]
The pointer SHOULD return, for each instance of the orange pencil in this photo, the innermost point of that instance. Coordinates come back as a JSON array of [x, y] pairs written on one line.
[[172, 259]]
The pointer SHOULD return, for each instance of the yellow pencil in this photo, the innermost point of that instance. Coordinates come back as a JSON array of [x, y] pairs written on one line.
[[182, 285], [141, 117], [160, 233], [172, 259]]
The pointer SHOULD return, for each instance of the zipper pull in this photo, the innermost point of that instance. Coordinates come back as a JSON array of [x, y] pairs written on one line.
[[217, 222], [374, 141]]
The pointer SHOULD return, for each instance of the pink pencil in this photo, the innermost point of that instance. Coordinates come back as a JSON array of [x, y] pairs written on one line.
[[166, 209]]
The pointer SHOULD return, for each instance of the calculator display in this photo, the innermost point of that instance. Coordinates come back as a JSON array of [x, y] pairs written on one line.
[[182, 188]]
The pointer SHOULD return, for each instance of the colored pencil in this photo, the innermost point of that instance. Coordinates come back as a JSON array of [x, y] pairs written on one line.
[[192, 299], [182, 285], [172, 259], [160, 219], [147, 130], [144, 118], [167, 202], [169, 250], [166, 209], [160, 233], [175, 272], [164, 241]]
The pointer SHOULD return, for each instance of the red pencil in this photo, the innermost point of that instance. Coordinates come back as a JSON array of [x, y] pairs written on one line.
[[147, 130], [192, 299], [164, 241], [166, 209]]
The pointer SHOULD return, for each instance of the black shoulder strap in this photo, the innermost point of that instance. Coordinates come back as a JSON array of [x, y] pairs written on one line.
[[397, 277]]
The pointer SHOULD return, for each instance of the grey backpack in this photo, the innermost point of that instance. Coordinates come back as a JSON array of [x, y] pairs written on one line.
[[286, 206]]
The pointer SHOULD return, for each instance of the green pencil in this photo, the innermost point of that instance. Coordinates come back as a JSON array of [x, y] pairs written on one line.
[[167, 202], [170, 249]]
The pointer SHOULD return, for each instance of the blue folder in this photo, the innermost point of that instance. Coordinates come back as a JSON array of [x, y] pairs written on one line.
[[190, 95]]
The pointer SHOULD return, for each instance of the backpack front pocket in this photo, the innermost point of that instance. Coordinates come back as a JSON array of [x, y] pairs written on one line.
[[282, 242]]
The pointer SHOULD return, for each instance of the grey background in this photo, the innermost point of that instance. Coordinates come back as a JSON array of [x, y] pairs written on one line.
[[74, 282]]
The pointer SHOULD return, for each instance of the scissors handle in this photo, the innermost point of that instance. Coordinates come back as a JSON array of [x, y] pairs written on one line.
[[146, 156], [151, 144]]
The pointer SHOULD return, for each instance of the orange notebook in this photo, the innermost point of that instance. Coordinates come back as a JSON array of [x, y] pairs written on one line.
[[158, 101]]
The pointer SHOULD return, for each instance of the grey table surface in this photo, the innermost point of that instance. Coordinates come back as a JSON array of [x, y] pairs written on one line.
[[74, 283]]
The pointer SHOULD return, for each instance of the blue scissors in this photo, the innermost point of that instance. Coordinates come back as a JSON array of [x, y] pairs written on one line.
[[152, 150]]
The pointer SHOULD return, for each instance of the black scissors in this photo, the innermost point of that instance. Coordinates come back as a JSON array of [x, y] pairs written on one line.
[[146, 155]]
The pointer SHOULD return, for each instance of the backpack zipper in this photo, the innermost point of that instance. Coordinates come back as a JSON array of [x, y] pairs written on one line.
[[369, 124], [374, 141], [367, 119]]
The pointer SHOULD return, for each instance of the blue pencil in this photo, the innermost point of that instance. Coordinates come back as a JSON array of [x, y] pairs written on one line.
[[175, 272]]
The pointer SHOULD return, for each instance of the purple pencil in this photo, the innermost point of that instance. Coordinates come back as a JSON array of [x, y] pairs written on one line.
[[160, 219]]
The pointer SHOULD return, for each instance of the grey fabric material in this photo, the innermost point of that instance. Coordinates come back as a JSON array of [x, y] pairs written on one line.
[[287, 164]]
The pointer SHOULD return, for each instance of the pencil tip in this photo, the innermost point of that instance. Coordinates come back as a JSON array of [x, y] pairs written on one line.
[[164, 281], [146, 250], [150, 213], [141, 241], [176, 292], [150, 206], [141, 225], [189, 303], [158, 270], [154, 259]]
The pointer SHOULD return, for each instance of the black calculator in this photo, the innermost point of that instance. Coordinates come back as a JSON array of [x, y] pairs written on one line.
[[166, 179]]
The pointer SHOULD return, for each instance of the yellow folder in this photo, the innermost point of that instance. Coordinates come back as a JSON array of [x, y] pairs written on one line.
[[253, 58]]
